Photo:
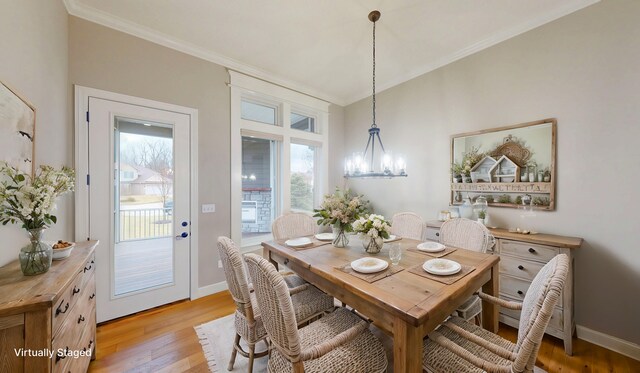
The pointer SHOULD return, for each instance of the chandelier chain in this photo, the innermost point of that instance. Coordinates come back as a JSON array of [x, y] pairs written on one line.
[[374, 76]]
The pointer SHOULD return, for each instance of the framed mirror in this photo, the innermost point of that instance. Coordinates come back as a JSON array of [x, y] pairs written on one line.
[[507, 165], [17, 129]]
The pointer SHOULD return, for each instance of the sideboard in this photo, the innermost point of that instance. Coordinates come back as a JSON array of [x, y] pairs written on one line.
[[48, 321], [521, 257]]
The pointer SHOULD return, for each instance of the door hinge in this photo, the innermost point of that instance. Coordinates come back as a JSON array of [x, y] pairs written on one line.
[[88, 179], [87, 117]]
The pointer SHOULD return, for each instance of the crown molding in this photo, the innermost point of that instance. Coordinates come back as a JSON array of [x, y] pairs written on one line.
[[567, 8], [117, 23]]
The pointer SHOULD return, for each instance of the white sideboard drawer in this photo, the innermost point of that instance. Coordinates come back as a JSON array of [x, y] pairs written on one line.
[[528, 251], [519, 267], [432, 234]]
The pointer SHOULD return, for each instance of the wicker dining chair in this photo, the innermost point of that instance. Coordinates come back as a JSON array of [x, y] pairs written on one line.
[[458, 346], [293, 225], [338, 342], [470, 235], [308, 302], [407, 225]]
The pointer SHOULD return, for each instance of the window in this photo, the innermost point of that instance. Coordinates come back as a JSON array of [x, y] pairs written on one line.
[[279, 161]]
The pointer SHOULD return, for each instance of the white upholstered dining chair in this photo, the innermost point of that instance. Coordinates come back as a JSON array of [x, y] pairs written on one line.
[[407, 225], [470, 235], [458, 346], [339, 342], [292, 225], [307, 302]]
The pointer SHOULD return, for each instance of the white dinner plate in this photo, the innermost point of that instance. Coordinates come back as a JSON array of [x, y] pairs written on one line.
[[391, 238], [369, 265], [431, 247], [441, 267], [298, 242], [324, 236]]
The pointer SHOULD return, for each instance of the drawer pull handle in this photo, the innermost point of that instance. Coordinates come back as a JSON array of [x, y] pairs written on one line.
[[286, 261], [88, 268], [520, 292], [437, 234], [80, 319], [61, 356], [75, 290], [520, 267], [92, 296], [532, 250], [90, 343], [59, 309]]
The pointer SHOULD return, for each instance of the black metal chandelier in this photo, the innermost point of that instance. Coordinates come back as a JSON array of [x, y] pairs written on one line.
[[363, 165]]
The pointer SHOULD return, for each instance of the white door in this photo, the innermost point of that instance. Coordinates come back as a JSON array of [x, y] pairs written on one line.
[[139, 198]]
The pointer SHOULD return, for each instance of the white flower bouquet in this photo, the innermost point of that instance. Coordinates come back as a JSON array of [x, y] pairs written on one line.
[[373, 226]]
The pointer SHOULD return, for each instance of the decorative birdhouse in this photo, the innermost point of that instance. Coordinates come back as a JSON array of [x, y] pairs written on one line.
[[480, 172], [505, 171]]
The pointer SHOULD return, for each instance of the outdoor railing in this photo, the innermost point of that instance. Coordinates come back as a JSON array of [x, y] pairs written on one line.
[[141, 224]]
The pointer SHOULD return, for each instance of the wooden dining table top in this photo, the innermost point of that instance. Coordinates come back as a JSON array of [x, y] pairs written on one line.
[[418, 300]]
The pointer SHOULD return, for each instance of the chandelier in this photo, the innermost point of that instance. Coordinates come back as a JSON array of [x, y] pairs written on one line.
[[367, 165]]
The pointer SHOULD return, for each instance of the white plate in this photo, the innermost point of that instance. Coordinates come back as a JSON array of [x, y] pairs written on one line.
[[324, 236], [441, 267], [298, 242], [369, 265], [391, 238], [431, 247]]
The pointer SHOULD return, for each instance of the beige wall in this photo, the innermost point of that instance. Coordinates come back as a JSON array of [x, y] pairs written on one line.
[[106, 59], [33, 61], [581, 69]]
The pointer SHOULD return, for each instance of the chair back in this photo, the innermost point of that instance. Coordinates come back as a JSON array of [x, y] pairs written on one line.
[[276, 308], [236, 275], [537, 308], [466, 234], [407, 225], [292, 225]]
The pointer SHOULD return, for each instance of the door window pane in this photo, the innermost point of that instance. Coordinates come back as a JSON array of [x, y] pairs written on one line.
[[143, 256], [303, 122], [258, 112], [258, 186], [302, 177]]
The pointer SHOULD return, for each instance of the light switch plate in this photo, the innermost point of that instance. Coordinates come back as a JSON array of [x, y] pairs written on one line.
[[208, 208]]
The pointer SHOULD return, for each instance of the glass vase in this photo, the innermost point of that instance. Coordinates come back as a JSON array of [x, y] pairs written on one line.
[[340, 239], [35, 258], [372, 245]]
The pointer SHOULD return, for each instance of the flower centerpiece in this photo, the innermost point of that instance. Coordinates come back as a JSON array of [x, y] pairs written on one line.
[[373, 229], [340, 210], [30, 201]]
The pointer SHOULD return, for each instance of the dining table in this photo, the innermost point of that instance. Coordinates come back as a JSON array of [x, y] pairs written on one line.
[[405, 304]]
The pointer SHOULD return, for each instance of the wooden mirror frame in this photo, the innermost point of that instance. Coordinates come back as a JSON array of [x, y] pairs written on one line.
[[538, 190]]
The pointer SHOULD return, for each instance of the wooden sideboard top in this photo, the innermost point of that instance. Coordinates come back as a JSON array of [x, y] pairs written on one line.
[[20, 293], [538, 238]]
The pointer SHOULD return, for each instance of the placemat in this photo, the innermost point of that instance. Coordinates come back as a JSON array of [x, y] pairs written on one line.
[[450, 279], [371, 277], [314, 243], [446, 251]]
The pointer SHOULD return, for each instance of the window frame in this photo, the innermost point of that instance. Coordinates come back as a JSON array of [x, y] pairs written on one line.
[[246, 88]]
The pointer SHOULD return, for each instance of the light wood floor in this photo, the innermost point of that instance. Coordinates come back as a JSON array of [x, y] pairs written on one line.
[[163, 340]]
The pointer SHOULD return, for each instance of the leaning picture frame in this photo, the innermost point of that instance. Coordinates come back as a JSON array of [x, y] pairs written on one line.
[[17, 129]]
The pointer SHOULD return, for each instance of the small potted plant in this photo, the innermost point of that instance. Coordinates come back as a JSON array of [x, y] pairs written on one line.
[[504, 199], [456, 169], [546, 175], [481, 216], [470, 159], [373, 229]]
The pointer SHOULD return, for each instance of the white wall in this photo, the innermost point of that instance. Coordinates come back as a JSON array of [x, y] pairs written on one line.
[[583, 70], [34, 62]]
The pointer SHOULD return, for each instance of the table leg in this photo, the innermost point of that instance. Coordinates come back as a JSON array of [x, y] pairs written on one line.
[[407, 347], [490, 310], [266, 253]]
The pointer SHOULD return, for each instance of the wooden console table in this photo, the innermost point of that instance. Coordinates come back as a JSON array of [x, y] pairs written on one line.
[[54, 312], [521, 257]]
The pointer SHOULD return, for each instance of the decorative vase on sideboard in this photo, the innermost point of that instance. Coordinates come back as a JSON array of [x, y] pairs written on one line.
[[35, 257]]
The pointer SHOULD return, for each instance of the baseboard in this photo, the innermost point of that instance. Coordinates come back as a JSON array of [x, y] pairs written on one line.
[[609, 342], [210, 289]]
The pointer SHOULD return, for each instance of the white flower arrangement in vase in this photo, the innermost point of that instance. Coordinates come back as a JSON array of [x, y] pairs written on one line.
[[373, 229]]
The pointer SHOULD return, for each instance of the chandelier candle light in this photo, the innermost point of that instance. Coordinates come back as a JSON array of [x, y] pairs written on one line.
[[363, 165]]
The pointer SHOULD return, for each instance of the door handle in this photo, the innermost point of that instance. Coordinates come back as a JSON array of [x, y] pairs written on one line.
[[182, 235]]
